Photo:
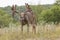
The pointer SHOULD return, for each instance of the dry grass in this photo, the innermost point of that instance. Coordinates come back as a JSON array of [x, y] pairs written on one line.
[[44, 32]]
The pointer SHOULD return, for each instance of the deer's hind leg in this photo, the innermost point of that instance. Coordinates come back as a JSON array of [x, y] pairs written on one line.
[[34, 29]]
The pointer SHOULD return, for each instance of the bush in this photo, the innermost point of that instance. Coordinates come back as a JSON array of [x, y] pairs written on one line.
[[5, 19], [51, 15]]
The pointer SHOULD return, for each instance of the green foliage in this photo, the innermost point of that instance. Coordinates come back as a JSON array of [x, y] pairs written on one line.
[[5, 19], [52, 14], [37, 11], [47, 13]]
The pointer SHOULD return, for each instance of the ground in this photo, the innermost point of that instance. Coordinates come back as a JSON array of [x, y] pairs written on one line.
[[43, 32]]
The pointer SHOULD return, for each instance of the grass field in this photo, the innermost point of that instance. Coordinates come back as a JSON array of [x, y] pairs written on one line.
[[43, 32]]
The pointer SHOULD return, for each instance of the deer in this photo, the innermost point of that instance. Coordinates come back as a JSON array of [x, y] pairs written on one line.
[[27, 17]]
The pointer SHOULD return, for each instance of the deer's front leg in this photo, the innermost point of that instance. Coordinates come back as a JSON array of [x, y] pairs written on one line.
[[22, 28], [27, 28]]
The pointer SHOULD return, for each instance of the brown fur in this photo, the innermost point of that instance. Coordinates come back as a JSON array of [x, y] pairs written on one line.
[[27, 17]]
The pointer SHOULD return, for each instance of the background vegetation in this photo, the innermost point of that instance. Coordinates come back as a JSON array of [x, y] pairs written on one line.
[[47, 18], [44, 13]]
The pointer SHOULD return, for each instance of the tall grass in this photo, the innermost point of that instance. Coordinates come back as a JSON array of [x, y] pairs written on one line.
[[43, 32]]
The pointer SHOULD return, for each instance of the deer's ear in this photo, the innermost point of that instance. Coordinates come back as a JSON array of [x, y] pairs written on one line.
[[26, 3]]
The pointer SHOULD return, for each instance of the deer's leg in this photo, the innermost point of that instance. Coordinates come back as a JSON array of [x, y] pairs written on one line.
[[34, 29], [27, 28], [22, 28]]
